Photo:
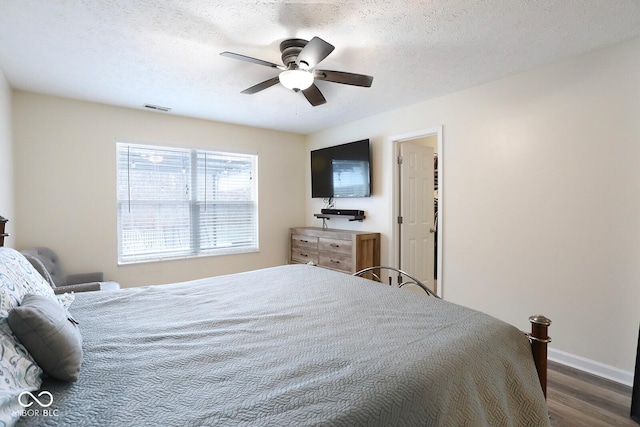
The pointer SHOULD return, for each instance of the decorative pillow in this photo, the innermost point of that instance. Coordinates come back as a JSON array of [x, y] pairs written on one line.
[[50, 335], [18, 373], [18, 278], [18, 370], [66, 299]]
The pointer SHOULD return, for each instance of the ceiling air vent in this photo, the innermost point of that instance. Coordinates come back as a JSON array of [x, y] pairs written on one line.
[[157, 107]]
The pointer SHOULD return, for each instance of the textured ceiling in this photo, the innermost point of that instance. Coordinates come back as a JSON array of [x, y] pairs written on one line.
[[162, 52]]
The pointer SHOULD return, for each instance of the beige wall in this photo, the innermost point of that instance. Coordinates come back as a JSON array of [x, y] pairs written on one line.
[[540, 197], [65, 184], [428, 141], [6, 158]]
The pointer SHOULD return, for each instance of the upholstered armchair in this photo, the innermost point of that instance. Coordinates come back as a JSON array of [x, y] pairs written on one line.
[[48, 265]]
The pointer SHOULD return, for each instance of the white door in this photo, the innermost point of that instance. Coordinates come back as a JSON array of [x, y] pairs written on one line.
[[416, 220]]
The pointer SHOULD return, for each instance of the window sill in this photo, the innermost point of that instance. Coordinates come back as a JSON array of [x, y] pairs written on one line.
[[185, 257]]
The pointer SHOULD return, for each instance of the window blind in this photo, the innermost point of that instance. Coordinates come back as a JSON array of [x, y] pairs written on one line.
[[175, 202]]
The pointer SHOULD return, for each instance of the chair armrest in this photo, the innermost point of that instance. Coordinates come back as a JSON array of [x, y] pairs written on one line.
[[73, 279], [87, 287], [81, 287]]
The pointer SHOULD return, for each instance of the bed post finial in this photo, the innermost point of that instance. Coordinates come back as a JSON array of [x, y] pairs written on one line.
[[539, 340]]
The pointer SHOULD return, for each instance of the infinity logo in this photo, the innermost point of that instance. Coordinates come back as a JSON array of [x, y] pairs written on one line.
[[28, 393]]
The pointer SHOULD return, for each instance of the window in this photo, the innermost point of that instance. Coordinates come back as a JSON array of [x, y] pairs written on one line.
[[175, 202]]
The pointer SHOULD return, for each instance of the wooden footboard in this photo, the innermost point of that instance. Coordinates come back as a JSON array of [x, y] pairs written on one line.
[[539, 338]]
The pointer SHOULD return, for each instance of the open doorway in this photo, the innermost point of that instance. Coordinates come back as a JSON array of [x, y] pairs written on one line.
[[417, 202]]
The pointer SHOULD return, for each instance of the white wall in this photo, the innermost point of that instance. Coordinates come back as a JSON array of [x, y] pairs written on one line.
[[541, 205], [427, 141], [66, 181], [6, 157]]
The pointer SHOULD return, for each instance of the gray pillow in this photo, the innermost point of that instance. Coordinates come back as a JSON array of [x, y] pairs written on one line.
[[49, 334]]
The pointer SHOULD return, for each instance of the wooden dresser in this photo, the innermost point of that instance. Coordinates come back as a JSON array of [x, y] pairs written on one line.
[[341, 250], [3, 222]]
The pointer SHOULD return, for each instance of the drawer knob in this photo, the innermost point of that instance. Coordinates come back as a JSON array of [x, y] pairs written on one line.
[[304, 241], [304, 255], [334, 261], [335, 245]]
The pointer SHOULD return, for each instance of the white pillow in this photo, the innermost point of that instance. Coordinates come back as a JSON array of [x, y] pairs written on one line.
[[66, 299], [18, 278], [18, 373]]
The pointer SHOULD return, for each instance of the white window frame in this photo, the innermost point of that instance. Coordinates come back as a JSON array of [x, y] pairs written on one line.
[[210, 230]]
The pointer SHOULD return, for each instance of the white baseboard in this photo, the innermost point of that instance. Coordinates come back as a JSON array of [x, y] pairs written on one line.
[[591, 366]]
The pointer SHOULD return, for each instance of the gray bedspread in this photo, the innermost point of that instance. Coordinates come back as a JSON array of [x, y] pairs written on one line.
[[292, 346]]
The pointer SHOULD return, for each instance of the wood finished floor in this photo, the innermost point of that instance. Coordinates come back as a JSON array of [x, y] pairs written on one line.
[[575, 398]]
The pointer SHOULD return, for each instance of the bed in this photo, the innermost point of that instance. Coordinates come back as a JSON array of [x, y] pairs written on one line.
[[289, 345]]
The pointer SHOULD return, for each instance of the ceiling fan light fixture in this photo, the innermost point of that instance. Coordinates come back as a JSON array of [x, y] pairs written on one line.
[[296, 79], [299, 72]]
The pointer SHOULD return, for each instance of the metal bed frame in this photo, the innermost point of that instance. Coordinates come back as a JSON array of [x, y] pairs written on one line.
[[402, 278]]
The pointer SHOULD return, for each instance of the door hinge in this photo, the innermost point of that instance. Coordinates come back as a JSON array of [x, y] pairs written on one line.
[[400, 160], [400, 219]]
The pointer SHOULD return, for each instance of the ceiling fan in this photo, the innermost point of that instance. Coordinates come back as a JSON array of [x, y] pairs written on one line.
[[300, 58]]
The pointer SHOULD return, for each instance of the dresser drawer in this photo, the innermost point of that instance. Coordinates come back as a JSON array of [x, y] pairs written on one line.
[[302, 241], [304, 256], [341, 250], [335, 245], [336, 261]]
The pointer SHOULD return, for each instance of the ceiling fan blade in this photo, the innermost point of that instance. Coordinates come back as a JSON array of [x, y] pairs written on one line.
[[254, 60], [313, 52], [261, 86], [344, 78], [314, 96]]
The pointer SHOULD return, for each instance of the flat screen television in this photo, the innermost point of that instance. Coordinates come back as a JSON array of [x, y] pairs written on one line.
[[341, 171]]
